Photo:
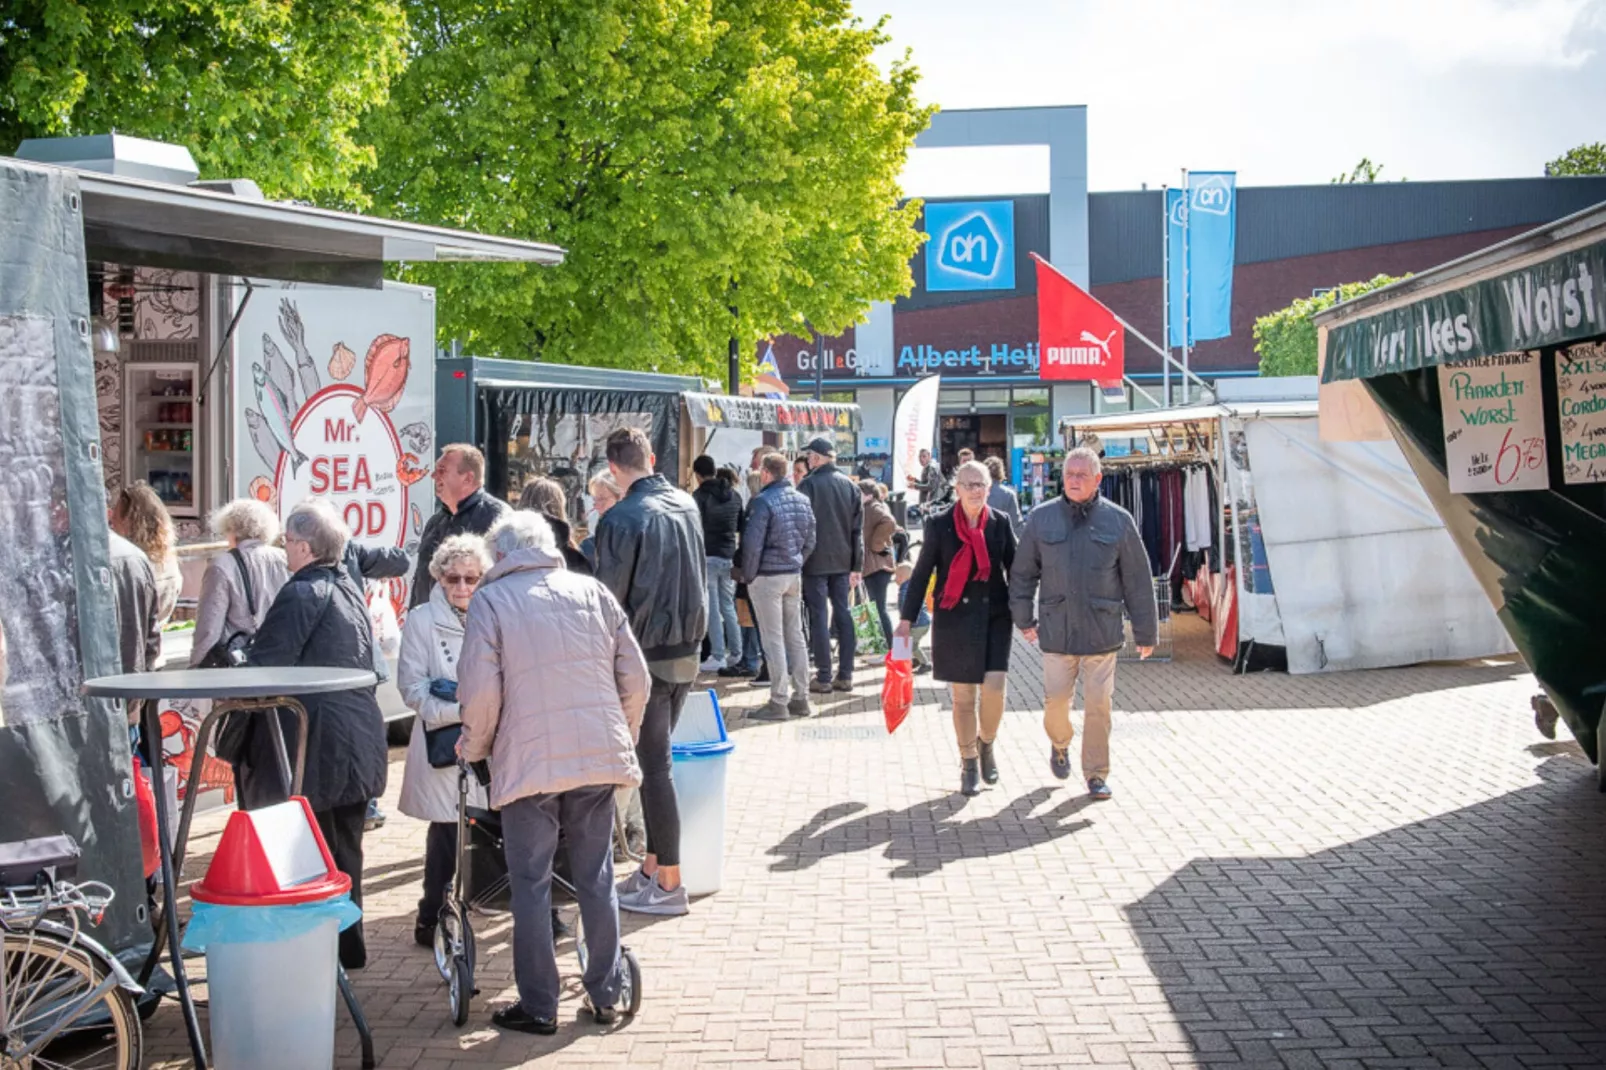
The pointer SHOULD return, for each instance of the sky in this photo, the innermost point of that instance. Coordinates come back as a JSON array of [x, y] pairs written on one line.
[[1282, 91]]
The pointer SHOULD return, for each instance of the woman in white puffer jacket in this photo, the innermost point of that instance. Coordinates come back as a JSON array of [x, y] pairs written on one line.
[[426, 676]]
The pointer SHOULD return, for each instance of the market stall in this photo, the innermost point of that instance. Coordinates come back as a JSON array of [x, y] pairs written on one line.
[[1490, 373], [1305, 555]]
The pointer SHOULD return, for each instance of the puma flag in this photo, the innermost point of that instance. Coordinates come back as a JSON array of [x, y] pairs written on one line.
[[1077, 336]]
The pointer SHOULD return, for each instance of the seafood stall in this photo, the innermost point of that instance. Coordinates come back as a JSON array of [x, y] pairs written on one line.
[[1490, 374], [213, 343]]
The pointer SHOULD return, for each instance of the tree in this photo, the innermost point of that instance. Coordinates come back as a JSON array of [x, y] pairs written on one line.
[[1583, 160], [1286, 339], [263, 89], [691, 156], [1365, 171]]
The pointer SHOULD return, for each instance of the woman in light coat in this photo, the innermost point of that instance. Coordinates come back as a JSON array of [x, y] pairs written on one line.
[[249, 527], [553, 686], [430, 645]]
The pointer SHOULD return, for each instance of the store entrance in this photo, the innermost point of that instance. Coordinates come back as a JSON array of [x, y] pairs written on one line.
[[986, 433]]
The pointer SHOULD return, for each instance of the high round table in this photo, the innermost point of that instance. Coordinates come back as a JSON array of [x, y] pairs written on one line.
[[246, 691]]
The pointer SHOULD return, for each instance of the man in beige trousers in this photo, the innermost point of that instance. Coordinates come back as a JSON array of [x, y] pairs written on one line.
[[1080, 560]]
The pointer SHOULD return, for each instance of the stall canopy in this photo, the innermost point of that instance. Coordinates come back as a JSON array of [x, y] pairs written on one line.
[[764, 414]]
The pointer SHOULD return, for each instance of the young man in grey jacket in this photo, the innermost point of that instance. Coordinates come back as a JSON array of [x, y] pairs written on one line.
[[779, 537], [1080, 560]]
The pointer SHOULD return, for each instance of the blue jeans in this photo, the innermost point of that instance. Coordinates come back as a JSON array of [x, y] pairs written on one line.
[[818, 593], [724, 632], [530, 831], [751, 649]]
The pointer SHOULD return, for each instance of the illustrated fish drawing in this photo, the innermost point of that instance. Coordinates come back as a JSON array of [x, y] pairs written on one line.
[[341, 361], [418, 521], [279, 373], [409, 471], [385, 371], [295, 332], [275, 408], [415, 437], [262, 438]]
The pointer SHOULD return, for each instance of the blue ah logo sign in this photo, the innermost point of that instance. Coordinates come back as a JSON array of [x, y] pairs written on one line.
[[972, 245]]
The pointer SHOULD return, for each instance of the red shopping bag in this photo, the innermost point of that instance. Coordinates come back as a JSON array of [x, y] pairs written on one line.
[[150, 847], [897, 693]]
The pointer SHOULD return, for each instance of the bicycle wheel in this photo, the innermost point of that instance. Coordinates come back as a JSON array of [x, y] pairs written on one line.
[[461, 989], [630, 991], [45, 983]]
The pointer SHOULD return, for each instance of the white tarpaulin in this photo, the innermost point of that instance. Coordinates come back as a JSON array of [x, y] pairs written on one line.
[[1366, 575]]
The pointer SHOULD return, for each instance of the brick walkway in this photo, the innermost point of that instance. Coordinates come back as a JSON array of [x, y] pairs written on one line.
[[1369, 869]]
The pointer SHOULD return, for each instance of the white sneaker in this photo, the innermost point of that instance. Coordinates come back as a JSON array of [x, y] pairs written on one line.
[[711, 665]]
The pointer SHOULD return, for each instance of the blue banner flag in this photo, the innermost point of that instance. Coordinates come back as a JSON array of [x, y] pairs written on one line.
[[1201, 229]]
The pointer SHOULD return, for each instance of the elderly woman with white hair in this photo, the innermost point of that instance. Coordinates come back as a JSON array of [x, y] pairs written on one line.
[[320, 618], [238, 586], [970, 549], [552, 687], [426, 676]]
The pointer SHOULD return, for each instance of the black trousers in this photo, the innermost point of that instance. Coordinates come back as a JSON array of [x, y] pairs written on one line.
[[342, 831], [440, 865], [876, 584], [658, 803]]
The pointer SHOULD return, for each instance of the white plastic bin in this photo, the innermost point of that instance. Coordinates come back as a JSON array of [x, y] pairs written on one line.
[[273, 1002], [701, 749]]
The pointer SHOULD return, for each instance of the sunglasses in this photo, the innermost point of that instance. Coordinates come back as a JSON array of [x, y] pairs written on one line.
[[453, 579]]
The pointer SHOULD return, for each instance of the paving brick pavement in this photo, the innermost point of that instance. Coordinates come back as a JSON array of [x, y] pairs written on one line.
[[1367, 869]]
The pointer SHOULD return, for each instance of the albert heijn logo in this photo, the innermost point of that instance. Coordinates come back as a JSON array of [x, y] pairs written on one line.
[[972, 245]]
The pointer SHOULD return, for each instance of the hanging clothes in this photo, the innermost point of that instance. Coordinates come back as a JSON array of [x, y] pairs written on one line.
[[1199, 521]]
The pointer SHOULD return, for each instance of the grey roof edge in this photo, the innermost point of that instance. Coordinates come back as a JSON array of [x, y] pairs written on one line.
[[498, 372], [1549, 238]]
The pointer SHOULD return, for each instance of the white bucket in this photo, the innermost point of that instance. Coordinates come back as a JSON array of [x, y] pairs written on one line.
[[273, 1004], [701, 750]]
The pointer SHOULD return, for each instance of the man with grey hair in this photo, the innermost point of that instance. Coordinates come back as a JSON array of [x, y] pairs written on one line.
[[1079, 561]]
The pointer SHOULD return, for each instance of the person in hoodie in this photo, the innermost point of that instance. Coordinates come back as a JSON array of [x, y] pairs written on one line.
[[720, 506]]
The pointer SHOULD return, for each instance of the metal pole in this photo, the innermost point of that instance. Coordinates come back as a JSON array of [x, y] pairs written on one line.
[[734, 369], [819, 362], [1187, 283], [1165, 290]]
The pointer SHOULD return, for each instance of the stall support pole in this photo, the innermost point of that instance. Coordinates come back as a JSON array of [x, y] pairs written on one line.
[[1165, 292]]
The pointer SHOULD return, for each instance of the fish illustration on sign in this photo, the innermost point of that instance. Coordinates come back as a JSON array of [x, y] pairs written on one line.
[[415, 437], [418, 520], [262, 439], [275, 408], [341, 361], [295, 332], [278, 371], [385, 372]]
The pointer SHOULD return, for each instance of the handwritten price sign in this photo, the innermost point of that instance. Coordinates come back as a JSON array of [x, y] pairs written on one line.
[[1581, 406], [1494, 428]]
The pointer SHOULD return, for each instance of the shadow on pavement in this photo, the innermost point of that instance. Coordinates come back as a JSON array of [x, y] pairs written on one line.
[[929, 835], [1477, 938]]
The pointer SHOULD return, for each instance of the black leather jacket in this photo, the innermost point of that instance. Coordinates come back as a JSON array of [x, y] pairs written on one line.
[[650, 555]]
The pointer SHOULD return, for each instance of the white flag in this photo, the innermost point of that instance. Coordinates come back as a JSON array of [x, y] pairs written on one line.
[[914, 428]]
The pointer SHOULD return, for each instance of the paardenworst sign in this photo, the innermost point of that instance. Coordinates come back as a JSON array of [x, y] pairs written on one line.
[[1078, 338]]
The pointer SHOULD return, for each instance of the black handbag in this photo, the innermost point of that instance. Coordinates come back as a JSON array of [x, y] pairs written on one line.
[[440, 745]]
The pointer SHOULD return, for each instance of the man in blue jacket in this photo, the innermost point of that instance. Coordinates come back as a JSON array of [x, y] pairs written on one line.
[[779, 538]]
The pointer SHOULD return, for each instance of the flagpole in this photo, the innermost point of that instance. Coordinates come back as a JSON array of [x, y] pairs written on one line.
[[1187, 283], [1165, 290]]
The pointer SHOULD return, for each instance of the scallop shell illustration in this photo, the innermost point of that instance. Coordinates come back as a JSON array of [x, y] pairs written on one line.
[[341, 361], [261, 489]]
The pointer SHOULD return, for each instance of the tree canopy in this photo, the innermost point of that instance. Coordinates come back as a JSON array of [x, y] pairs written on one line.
[[259, 89], [1582, 160], [1286, 339], [691, 156], [1364, 172]]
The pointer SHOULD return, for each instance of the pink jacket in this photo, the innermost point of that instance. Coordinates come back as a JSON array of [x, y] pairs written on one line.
[[551, 683]]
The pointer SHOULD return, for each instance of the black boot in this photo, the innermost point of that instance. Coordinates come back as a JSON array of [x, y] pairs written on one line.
[[989, 765], [970, 779]]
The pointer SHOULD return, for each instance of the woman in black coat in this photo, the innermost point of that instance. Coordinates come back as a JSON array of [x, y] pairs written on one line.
[[971, 631], [320, 618]]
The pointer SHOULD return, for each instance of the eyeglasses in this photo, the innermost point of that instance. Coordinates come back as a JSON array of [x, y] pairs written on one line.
[[453, 579], [971, 484]]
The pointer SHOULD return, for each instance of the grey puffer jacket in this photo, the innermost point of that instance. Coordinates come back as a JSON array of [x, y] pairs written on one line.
[[1076, 565], [551, 682], [650, 555], [779, 535], [838, 522]]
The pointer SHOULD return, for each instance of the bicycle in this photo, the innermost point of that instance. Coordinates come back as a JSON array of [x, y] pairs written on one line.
[[65, 1002]]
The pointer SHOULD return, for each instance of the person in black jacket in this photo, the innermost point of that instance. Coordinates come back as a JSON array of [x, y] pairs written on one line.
[[363, 563], [720, 506], [833, 569], [320, 618], [460, 486], [650, 555], [970, 549]]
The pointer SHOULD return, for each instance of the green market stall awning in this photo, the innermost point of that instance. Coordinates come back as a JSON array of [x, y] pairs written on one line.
[[765, 414]]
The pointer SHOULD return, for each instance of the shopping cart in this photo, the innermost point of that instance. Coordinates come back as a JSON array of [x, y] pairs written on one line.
[[481, 885]]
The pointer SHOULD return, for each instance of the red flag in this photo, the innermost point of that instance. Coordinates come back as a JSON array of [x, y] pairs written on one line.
[[1077, 336]]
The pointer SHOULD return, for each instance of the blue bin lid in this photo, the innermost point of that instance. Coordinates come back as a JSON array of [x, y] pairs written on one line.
[[685, 752]]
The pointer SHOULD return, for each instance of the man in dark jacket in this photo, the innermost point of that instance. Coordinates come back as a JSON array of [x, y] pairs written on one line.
[[460, 486], [928, 482], [832, 570], [319, 618], [720, 506], [650, 555], [139, 636], [1080, 560], [778, 538]]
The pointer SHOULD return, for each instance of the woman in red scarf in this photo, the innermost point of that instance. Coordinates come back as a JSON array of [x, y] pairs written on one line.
[[969, 549]]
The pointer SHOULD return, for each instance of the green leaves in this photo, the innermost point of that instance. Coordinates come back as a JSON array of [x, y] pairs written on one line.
[[1583, 160], [1286, 339]]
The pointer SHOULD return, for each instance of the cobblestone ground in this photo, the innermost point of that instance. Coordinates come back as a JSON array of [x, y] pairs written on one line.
[[1364, 869]]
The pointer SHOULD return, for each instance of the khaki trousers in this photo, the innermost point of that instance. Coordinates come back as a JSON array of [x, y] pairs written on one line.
[[1097, 671], [988, 696]]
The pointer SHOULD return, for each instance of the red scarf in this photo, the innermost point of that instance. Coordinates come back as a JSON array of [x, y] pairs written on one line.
[[972, 552]]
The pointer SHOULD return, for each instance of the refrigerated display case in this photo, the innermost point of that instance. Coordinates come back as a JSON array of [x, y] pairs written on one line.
[[160, 431]]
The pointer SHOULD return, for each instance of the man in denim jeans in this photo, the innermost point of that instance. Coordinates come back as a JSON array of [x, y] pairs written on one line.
[[720, 506]]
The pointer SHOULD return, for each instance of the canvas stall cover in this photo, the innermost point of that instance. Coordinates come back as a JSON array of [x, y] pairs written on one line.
[[65, 763], [1260, 626], [1366, 575]]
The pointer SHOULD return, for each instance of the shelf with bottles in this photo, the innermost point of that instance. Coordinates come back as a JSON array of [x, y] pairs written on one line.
[[166, 439]]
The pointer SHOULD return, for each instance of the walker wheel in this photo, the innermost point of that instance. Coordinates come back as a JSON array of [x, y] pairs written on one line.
[[461, 985], [630, 989]]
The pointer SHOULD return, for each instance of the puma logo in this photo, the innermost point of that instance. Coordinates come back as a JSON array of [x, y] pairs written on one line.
[[1104, 343]]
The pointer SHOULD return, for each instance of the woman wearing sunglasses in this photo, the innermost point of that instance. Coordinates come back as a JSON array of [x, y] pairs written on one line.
[[426, 676]]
